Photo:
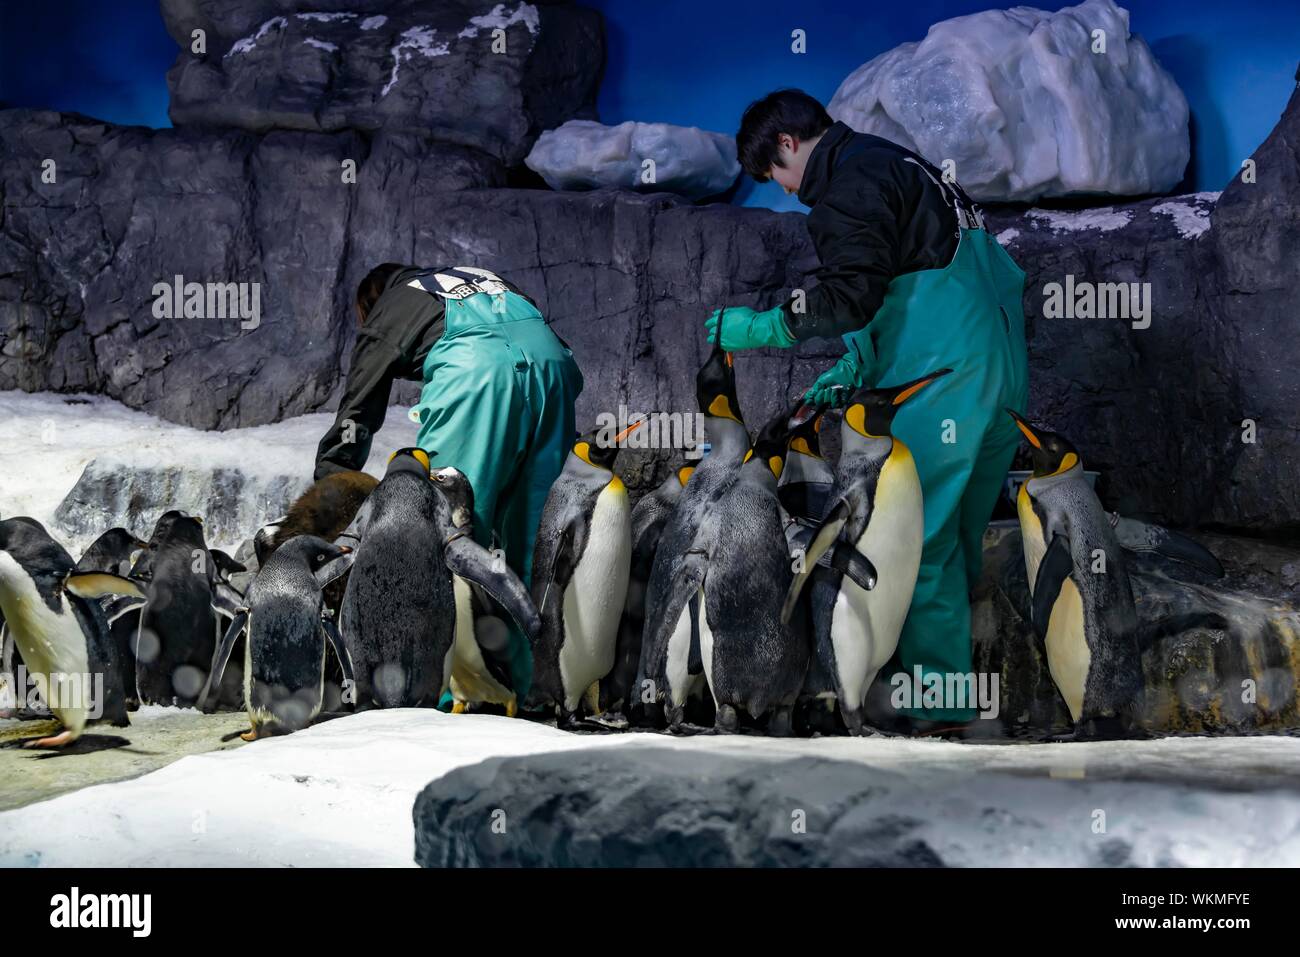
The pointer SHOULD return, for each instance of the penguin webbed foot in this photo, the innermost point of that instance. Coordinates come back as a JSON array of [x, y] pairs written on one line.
[[54, 741]]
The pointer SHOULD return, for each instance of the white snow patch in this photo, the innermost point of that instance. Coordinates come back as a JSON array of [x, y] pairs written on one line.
[[341, 794], [415, 40], [46, 443], [1019, 101], [326, 17], [525, 13], [320, 44], [373, 23], [1104, 219], [584, 154], [247, 43], [1191, 214], [1007, 236]]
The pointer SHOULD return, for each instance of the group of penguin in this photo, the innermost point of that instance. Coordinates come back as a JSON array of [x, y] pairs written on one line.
[[761, 578]]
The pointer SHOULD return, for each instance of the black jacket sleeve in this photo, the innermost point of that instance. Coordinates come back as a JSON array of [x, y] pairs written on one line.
[[855, 228], [361, 413]]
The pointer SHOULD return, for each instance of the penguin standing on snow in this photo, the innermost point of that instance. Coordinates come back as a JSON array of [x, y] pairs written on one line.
[[51, 611], [399, 610], [178, 628], [115, 552], [581, 564], [480, 655], [650, 517], [739, 569], [286, 630], [1082, 599], [876, 513], [671, 668]]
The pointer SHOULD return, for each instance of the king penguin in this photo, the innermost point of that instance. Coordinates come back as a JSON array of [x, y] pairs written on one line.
[[650, 517], [876, 514], [480, 658], [670, 668], [1082, 598], [52, 612], [286, 630], [581, 564], [399, 610], [739, 569]]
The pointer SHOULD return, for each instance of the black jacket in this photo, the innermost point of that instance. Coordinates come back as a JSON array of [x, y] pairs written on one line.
[[878, 211], [402, 327]]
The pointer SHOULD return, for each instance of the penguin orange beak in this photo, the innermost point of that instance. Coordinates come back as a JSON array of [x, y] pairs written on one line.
[[346, 549], [909, 389], [1027, 429], [629, 430]]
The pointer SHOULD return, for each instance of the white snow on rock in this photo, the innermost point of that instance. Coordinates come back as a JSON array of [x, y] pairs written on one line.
[[320, 44], [1019, 101], [1007, 236], [496, 18], [326, 17], [415, 40], [48, 441], [1104, 219], [341, 794], [374, 23], [1191, 214], [583, 154], [247, 43]]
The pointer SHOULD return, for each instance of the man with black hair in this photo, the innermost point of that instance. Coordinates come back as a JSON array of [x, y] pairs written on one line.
[[497, 403], [913, 283]]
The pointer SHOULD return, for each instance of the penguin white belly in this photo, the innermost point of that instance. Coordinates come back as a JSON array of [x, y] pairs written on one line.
[[706, 645], [1068, 654], [678, 659], [52, 644], [471, 681], [593, 600], [865, 625]]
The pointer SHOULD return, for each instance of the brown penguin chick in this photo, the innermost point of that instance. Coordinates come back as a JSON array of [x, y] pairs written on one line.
[[327, 508]]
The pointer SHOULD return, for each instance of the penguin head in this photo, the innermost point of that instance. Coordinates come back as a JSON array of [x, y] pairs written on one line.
[[597, 448], [770, 444], [410, 459], [715, 383], [1052, 453], [315, 550], [871, 412], [177, 527], [805, 426], [455, 487], [27, 542]]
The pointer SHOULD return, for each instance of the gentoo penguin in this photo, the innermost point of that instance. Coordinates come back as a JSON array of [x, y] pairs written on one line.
[[286, 628], [399, 609], [670, 667], [177, 636], [581, 564], [1082, 598], [52, 612], [650, 516], [115, 552], [480, 657], [876, 513], [739, 568]]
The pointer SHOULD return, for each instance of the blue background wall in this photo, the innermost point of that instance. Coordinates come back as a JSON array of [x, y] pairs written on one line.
[[699, 62]]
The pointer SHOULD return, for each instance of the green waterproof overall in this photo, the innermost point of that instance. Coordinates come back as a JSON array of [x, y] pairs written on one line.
[[967, 317], [498, 404]]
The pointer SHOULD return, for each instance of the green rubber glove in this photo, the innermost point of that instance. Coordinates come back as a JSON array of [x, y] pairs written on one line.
[[743, 328], [835, 386]]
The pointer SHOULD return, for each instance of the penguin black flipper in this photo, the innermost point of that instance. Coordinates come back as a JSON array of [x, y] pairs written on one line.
[[224, 564], [823, 540], [331, 632], [222, 655], [119, 605], [851, 563], [1143, 537], [225, 600], [684, 591], [1053, 570], [472, 562]]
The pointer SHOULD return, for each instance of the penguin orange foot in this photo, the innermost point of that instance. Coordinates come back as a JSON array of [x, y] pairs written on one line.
[[57, 741]]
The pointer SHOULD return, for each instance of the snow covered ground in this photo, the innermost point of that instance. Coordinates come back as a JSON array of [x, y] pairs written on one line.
[[47, 440], [341, 793]]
